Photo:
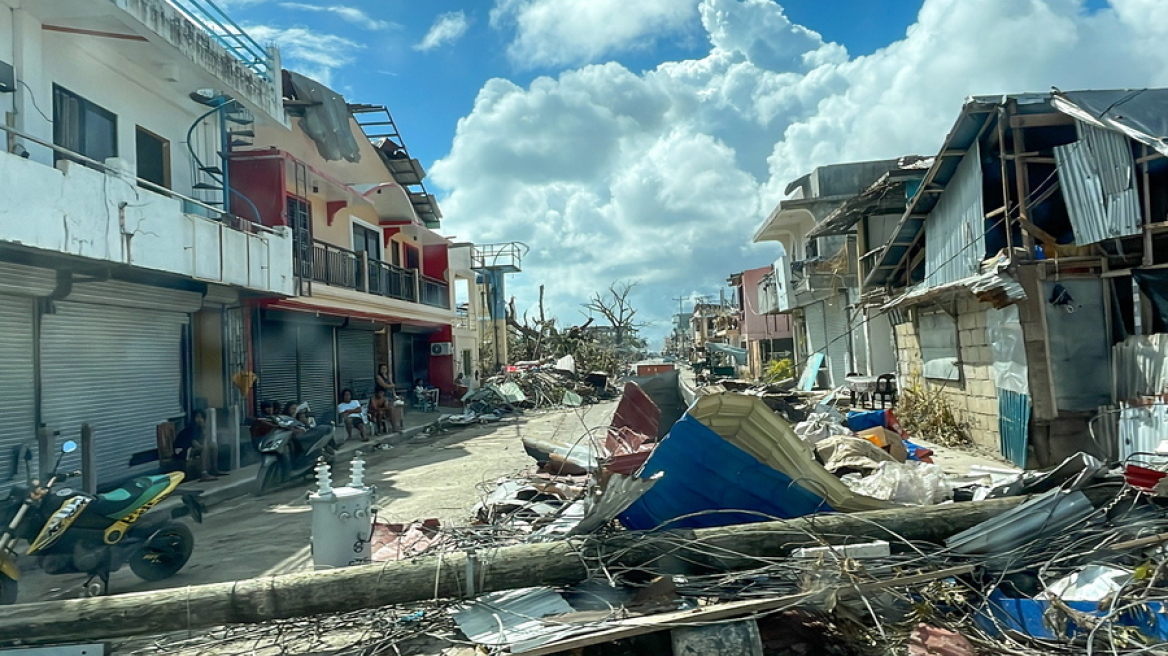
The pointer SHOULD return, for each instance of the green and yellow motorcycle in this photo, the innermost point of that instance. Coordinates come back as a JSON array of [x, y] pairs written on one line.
[[71, 532]]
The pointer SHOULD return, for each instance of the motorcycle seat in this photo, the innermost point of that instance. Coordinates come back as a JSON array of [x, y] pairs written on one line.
[[124, 500]]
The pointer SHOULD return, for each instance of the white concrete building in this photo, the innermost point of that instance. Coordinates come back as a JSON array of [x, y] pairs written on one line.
[[122, 270]]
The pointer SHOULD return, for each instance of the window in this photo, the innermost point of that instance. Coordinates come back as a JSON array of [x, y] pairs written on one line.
[[153, 154], [367, 240], [83, 127], [412, 259], [939, 349]]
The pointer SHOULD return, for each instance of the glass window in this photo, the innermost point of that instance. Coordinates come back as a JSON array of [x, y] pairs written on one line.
[[83, 127], [153, 155], [368, 241]]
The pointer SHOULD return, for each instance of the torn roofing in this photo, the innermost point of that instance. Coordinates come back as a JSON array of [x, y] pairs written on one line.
[[1141, 114], [887, 195], [326, 119]]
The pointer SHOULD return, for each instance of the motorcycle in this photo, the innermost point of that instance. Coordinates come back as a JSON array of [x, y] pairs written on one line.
[[72, 532], [289, 450]]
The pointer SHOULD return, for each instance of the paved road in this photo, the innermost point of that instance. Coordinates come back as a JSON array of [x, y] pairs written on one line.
[[427, 477]]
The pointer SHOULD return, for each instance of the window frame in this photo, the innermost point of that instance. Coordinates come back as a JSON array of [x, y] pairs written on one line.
[[933, 353], [85, 107], [139, 132]]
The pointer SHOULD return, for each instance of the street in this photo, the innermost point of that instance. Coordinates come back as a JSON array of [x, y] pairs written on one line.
[[426, 477]]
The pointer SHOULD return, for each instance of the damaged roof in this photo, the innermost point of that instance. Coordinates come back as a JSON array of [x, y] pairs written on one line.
[[1141, 114], [887, 195]]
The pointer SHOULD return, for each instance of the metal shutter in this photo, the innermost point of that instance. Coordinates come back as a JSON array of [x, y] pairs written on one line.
[[317, 369], [118, 369], [17, 402], [277, 365], [838, 339], [356, 361]]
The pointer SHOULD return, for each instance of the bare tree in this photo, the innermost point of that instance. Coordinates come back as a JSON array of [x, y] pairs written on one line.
[[615, 306]]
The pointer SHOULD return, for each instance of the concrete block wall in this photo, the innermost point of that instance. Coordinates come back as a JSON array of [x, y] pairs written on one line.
[[974, 398]]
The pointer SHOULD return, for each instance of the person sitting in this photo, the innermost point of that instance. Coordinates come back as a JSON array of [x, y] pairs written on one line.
[[193, 449], [381, 412], [426, 397], [289, 409], [350, 412]]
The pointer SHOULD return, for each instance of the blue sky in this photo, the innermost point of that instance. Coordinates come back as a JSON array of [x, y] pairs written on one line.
[[647, 140]]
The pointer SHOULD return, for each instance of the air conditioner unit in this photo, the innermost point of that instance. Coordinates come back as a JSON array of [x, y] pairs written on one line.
[[442, 348]]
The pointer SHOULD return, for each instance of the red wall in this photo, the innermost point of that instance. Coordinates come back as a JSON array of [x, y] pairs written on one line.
[[435, 261], [262, 182], [760, 326], [442, 367]]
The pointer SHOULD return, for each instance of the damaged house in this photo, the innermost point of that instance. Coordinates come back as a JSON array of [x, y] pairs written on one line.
[[1026, 276], [814, 279]]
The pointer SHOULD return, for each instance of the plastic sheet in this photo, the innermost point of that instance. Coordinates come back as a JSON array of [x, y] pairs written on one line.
[[911, 482]]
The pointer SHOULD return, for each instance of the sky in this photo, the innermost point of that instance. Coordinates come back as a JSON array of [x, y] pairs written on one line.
[[647, 140]]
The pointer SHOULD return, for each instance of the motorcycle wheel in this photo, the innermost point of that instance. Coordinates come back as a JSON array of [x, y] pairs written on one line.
[[165, 554], [270, 478], [8, 589]]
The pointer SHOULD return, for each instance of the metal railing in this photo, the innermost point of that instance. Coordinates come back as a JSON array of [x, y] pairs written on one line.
[[230, 36], [507, 257], [212, 213], [435, 293], [342, 267], [392, 281]]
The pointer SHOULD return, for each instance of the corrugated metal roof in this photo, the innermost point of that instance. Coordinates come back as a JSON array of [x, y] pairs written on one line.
[[1141, 366], [1046, 514], [1097, 178], [619, 493], [1141, 114]]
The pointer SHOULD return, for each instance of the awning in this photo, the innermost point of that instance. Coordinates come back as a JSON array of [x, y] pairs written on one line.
[[300, 306], [995, 287]]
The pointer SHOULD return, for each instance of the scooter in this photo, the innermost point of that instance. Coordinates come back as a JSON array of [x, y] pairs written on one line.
[[289, 450], [72, 532]]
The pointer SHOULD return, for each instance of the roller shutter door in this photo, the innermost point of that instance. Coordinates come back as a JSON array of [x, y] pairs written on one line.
[[17, 401], [318, 369], [119, 369], [277, 366], [838, 338], [356, 361]]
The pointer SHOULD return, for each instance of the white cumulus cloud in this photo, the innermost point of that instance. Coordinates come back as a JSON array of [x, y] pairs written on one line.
[[663, 175], [447, 29], [349, 14], [311, 53], [569, 32]]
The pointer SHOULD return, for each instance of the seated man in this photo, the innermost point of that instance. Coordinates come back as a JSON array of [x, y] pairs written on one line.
[[381, 413], [426, 397], [350, 412], [193, 449]]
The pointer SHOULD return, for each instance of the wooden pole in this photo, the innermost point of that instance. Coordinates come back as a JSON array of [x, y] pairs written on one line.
[[546, 564]]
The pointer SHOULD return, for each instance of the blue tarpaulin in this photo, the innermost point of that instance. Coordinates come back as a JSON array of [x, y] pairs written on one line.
[[1026, 616], [705, 472]]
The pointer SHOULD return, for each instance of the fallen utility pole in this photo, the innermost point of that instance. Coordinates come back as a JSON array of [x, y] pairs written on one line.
[[445, 576]]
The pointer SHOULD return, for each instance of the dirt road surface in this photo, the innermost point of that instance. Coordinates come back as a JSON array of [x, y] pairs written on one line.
[[427, 477]]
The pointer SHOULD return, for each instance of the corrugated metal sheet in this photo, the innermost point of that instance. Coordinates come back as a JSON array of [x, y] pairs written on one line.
[[1097, 178], [17, 401], [1014, 425], [955, 230], [827, 332], [1141, 366], [1142, 428], [637, 411], [318, 369], [513, 619], [118, 369], [619, 493], [1046, 514]]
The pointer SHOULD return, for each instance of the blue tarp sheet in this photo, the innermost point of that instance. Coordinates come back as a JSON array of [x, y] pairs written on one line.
[[705, 472], [1026, 616]]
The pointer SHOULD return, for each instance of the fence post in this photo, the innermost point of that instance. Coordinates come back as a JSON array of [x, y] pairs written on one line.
[[236, 420], [363, 262], [213, 436], [88, 460], [417, 286]]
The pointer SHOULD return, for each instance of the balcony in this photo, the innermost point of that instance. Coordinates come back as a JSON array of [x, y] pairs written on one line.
[[505, 258], [100, 211], [341, 267]]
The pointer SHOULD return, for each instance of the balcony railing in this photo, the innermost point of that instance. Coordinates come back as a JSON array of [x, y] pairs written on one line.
[[230, 36], [435, 292], [341, 267]]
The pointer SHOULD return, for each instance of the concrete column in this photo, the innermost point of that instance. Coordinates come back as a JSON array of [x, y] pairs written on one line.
[[236, 429], [35, 96]]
